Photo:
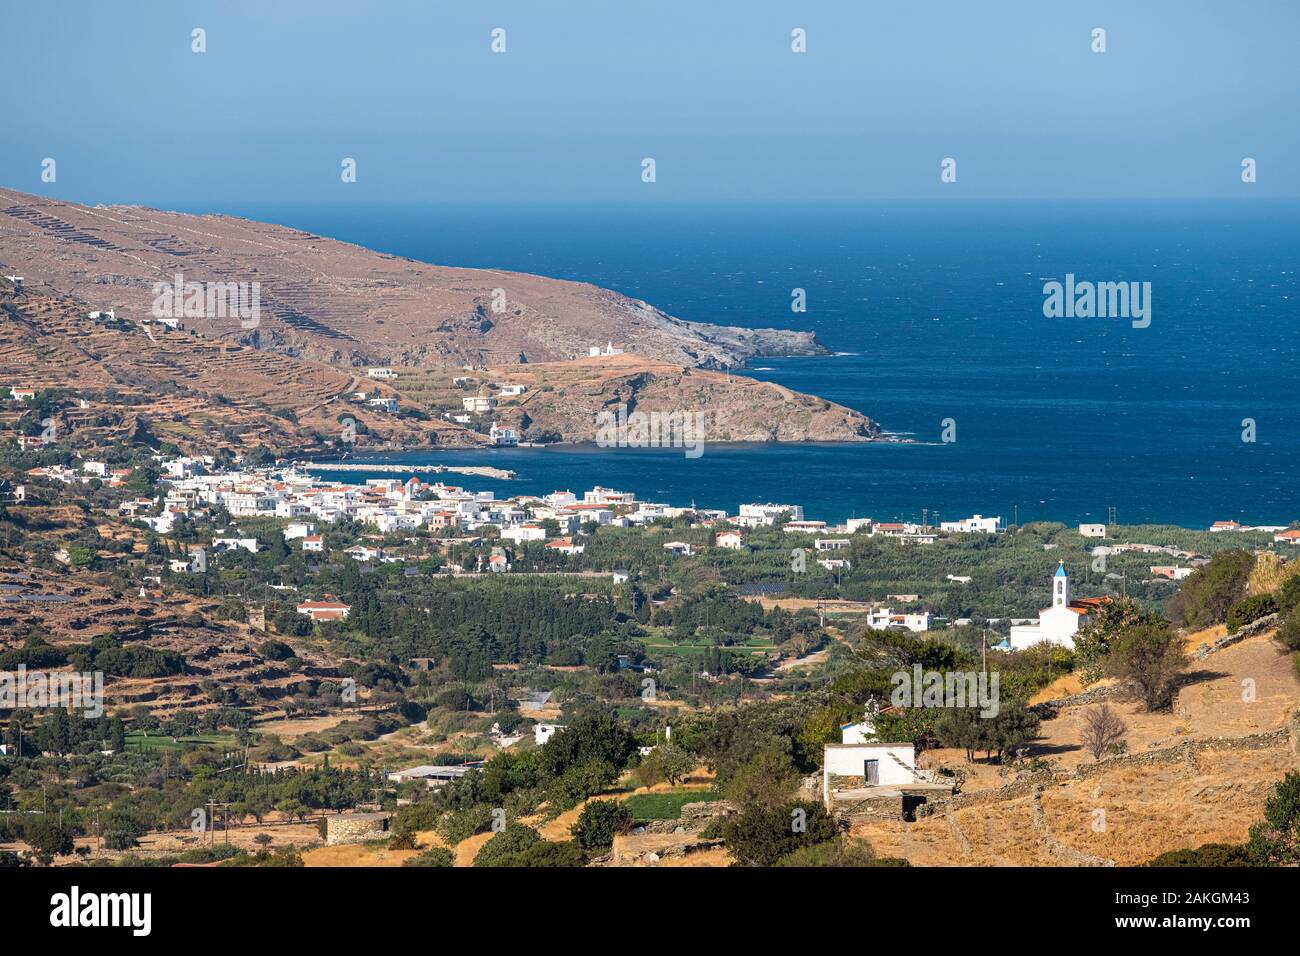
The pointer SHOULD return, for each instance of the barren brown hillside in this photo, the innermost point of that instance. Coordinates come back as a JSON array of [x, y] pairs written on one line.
[[329, 310], [565, 398], [343, 304]]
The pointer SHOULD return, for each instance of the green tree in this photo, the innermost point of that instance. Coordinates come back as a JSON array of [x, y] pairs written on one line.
[[1152, 657], [48, 838], [1210, 591], [437, 856], [1276, 841]]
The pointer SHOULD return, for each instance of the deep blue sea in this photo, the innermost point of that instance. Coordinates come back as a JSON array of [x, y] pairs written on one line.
[[934, 310]]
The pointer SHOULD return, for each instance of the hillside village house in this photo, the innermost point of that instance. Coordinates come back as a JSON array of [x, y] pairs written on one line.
[[832, 544], [565, 546], [1092, 530], [754, 515], [808, 527], [978, 524], [608, 349], [328, 610], [434, 776], [233, 544], [881, 619], [835, 564], [313, 542], [1058, 623], [298, 529], [478, 404], [383, 404], [731, 539], [544, 732], [381, 373], [862, 772], [512, 391], [1290, 536]]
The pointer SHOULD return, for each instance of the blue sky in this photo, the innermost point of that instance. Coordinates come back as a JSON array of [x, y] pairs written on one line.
[[588, 88]]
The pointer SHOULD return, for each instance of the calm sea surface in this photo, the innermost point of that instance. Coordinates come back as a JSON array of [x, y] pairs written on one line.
[[934, 311]]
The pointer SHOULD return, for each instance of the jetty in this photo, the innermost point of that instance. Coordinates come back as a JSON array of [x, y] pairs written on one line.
[[483, 471]]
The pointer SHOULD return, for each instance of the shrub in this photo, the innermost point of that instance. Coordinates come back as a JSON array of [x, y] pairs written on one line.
[[1210, 854], [438, 856], [599, 822], [762, 835], [1251, 609], [506, 845], [1210, 591], [838, 852]]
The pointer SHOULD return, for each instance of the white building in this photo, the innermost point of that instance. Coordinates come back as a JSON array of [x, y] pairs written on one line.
[[1092, 530], [609, 349], [478, 404], [978, 524], [877, 764], [233, 544], [524, 532], [512, 391], [383, 404], [434, 776], [831, 544], [753, 515], [381, 373], [544, 732], [881, 619], [1058, 623], [503, 436], [731, 539]]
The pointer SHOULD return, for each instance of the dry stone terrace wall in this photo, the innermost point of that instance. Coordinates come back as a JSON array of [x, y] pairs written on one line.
[[1185, 753], [355, 827]]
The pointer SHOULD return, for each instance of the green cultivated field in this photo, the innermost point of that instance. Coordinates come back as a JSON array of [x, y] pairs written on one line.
[[666, 806], [158, 742]]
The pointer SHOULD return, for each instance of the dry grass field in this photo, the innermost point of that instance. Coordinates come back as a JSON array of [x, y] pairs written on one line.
[[1148, 809]]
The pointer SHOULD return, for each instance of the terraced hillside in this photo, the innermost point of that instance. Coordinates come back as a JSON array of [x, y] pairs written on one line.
[[195, 392]]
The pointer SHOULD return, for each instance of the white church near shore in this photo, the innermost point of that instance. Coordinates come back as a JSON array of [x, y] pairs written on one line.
[[1058, 623]]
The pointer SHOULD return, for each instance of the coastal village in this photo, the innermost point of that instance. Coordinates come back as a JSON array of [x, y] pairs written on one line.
[[219, 558], [283, 650]]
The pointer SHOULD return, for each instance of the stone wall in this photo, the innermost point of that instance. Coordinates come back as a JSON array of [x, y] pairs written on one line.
[[1185, 752], [355, 827]]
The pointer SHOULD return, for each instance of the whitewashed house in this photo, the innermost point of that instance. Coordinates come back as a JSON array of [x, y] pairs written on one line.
[[544, 732]]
